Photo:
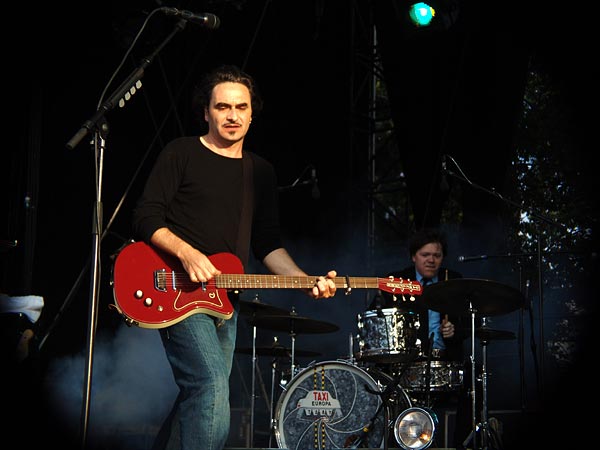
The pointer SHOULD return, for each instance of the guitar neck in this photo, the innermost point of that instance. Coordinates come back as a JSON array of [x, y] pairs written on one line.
[[242, 281]]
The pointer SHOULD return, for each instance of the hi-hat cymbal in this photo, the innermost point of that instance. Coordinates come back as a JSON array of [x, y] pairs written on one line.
[[458, 295], [293, 324], [276, 351], [489, 334], [256, 308]]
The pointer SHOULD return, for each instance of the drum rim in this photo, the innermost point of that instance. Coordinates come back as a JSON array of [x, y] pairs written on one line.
[[393, 309], [437, 363]]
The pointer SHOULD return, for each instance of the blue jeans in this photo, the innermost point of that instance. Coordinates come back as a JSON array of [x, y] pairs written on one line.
[[201, 357]]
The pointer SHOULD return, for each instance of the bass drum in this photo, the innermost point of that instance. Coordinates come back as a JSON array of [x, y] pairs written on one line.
[[328, 404]]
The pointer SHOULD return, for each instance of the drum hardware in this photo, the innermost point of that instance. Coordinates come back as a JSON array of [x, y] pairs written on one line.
[[485, 335], [470, 296], [386, 395], [276, 351], [351, 358], [272, 400], [293, 324], [274, 363], [256, 308], [488, 334], [253, 309], [428, 372], [460, 296], [437, 353]]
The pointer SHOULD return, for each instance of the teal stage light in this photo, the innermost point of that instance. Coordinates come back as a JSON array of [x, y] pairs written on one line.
[[421, 14]]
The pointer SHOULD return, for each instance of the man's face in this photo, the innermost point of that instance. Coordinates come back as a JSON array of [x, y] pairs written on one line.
[[229, 113], [428, 259]]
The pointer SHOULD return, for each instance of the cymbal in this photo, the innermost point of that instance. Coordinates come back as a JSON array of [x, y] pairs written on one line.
[[276, 351], [487, 297], [489, 334], [293, 324], [255, 308]]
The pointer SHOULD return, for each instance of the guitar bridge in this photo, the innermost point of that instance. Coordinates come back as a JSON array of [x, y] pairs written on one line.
[[160, 280]]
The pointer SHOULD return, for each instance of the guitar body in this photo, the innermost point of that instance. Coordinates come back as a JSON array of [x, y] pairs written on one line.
[[152, 290]]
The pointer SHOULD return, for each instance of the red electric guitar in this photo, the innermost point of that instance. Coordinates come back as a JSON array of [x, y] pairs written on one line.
[[151, 289]]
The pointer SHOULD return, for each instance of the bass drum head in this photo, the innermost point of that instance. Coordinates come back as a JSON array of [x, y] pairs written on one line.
[[328, 405]]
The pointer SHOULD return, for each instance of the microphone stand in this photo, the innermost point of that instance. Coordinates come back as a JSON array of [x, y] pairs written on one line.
[[297, 183], [385, 396], [97, 123], [533, 214]]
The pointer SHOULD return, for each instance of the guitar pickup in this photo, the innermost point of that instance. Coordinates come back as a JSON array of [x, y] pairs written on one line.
[[161, 281]]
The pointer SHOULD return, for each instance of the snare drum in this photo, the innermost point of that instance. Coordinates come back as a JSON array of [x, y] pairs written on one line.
[[327, 405], [444, 376], [388, 335]]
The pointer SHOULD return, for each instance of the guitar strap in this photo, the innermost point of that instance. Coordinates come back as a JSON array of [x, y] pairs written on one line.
[[243, 242]]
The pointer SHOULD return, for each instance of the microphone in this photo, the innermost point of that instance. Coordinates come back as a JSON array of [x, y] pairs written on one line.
[[471, 258], [207, 20], [315, 183], [444, 186]]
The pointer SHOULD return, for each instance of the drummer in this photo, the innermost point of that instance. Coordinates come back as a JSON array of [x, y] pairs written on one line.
[[437, 331], [441, 336]]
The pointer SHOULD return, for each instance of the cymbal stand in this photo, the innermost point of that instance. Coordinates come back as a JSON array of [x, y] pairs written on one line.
[[293, 361], [271, 412], [428, 373], [483, 425], [253, 395], [473, 434], [293, 338], [274, 364]]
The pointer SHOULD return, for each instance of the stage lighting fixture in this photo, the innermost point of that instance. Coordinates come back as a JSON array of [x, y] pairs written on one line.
[[414, 428], [421, 14]]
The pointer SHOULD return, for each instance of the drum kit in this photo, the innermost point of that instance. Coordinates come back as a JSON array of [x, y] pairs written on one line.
[[352, 403]]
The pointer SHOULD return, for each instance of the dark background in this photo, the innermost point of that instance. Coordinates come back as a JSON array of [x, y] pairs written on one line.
[[456, 91]]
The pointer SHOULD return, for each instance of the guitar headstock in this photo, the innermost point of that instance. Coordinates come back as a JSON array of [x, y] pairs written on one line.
[[400, 286]]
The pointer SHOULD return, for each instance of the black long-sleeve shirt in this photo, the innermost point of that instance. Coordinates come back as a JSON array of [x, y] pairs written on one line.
[[198, 194]]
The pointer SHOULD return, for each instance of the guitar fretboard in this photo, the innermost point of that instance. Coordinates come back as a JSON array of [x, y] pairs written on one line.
[[241, 281]]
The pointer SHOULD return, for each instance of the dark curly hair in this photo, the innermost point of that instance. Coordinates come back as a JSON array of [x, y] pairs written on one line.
[[225, 73], [426, 236]]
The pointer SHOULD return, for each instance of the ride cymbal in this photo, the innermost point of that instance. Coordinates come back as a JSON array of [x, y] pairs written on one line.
[[256, 308], [465, 295], [489, 334], [293, 324], [276, 351]]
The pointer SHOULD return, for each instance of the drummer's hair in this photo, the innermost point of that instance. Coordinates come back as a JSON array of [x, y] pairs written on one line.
[[427, 236]]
